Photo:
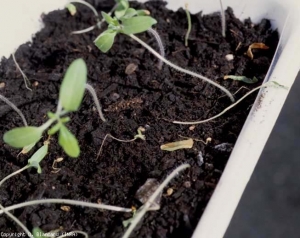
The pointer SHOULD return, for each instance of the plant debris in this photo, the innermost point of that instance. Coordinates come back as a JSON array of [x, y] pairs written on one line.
[[242, 78], [183, 144], [255, 46]]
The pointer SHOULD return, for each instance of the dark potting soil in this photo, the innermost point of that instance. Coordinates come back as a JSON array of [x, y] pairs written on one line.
[[147, 97]]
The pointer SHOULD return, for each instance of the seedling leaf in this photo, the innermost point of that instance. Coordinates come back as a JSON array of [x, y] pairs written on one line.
[[105, 41], [54, 129], [137, 24], [121, 9], [37, 157], [27, 148], [142, 12], [129, 13], [22, 136], [38, 233], [256, 46], [242, 78], [72, 9], [184, 144], [68, 142], [108, 18], [73, 85]]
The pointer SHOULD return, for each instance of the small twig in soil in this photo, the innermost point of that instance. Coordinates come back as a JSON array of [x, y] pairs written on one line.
[[26, 80], [188, 16]]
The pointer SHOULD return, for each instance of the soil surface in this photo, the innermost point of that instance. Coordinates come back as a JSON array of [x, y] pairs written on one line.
[[147, 97]]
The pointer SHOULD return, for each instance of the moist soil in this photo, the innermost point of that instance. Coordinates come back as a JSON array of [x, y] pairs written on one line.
[[147, 97]]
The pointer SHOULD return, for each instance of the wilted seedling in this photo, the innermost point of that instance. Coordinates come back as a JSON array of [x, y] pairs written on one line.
[[268, 84], [70, 97], [26, 80], [183, 144], [261, 46], [242, 78], [139, 135]]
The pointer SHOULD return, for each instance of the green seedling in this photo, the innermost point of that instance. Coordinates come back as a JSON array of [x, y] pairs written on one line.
[[70, 97], [188, 16], [129, 21], [242, 78], [71, 8], [268, 84]]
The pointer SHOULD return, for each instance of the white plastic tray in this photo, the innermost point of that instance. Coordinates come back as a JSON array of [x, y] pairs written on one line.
[[19, 19]]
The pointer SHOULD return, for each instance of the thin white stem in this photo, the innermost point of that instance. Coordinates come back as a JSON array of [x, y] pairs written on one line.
[[26, 80], [67, 201], [160, 46], [227, 108], [84, 30], [109, 135], [13, 106], [223, 19], [86, 4], [71, 233], [16, 220], [99, 24], [188, 15], [92, 91], [13, 174], [181, 69], [139, 215]]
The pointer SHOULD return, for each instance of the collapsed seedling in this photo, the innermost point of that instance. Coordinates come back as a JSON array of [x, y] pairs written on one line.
[[242, 78], [261, 46], [26, 80], [268, 84], [183, 144], [70, 97], [139, 135]]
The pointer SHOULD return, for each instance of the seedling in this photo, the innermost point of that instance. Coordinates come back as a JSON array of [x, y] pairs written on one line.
[[26, 80], [71, 8], [223, 19], [261, 46], [70, 97], [147, 206], [268, 84], [139, 135], [129, 21], [188, 16], [242, 78], [15, 108]]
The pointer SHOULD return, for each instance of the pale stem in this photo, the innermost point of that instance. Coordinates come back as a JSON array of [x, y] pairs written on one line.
[[223, 19], [226, 109], [139, 215], [92, 91], [160, 45], [67, 201], [16, 220], [189, 25], [13, 174], [181, 69], [86, 4], [26, 80], [14, 107]]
